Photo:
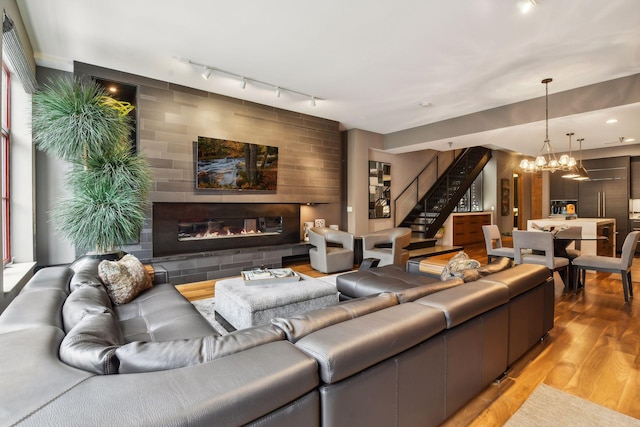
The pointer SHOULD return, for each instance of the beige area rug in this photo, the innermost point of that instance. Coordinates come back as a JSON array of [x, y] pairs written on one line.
[[547, 406]]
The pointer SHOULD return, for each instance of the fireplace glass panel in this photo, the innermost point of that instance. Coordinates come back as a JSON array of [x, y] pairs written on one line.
[[224, 228]]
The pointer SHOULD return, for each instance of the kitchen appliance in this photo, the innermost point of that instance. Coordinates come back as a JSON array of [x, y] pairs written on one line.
[[564, 208]]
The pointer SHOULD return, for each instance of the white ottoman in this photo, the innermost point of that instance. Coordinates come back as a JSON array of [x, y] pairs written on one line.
[[244, 306]]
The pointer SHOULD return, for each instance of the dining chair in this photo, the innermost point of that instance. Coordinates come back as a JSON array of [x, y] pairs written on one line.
[[564, 237], [536, 247], [620, 265], [331, 259], [493, 242]]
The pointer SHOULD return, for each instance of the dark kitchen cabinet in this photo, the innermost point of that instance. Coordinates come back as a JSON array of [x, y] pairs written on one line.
[[606, 193], [562, 188], [635, 178]]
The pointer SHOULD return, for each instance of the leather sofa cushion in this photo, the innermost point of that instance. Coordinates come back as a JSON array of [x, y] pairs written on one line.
[[390, 278], [91, 344], [467, 301], [472, 274], [412, 294], [495, 266], [40, 301], [520, 278], [33, 309], [349, 347], [140, 356], [85, 272], [301, 325], [86, 298], [161, 314]]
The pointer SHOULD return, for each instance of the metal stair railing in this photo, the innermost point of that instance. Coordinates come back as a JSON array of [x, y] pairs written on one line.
[[428, 215], [416, 190]]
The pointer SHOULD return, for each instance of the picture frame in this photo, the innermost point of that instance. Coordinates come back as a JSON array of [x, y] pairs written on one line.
[[505, 197], [379, 190], [223, 165]]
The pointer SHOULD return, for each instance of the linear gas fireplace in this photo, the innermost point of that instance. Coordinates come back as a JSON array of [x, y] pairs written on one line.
[[180, 228]]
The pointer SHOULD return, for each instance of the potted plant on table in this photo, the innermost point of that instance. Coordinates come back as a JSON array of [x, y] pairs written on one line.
[[77, 121]]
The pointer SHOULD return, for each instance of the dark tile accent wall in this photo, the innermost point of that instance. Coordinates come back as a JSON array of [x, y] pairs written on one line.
[[202, 266], [171, 117]]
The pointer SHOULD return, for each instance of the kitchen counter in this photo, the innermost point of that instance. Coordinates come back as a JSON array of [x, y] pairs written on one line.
[[591, 227]]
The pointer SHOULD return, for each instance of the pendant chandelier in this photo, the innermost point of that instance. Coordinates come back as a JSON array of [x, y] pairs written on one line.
[[546, 159], [572, 170]]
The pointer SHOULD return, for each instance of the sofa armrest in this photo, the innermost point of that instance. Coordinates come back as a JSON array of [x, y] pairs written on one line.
[[158, 273]]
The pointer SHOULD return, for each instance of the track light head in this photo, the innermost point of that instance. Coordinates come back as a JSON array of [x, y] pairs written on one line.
[[243, 83], [313, 101], [206, 73], [277, 92]]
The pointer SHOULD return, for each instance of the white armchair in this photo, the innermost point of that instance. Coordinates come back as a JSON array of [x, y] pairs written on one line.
[[387, 245], [330, 259]]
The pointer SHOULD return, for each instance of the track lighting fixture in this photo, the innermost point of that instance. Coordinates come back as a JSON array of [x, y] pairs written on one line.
[[255, 82]]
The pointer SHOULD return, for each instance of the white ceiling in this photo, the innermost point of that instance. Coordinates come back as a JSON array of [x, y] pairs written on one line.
[[372, 62]]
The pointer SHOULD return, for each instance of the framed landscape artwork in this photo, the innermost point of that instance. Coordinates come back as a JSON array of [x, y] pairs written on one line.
[[233, 166]]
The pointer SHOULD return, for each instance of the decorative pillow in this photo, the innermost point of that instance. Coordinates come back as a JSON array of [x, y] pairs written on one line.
[[457, 265], [124, 279]]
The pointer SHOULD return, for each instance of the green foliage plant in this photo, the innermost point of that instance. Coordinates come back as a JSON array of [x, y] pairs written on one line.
[[75, 120]]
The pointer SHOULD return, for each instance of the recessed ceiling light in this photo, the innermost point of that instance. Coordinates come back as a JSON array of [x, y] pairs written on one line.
[[526, 5], [630, 140], [425, 104], [611, 121]]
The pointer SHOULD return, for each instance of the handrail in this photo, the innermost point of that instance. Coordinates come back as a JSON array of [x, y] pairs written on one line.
[[416, 183]]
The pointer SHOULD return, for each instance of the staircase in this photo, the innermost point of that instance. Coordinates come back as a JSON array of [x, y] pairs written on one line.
[[432, 210]]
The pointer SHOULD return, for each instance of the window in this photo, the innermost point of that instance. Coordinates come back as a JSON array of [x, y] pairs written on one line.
[[6, 247]]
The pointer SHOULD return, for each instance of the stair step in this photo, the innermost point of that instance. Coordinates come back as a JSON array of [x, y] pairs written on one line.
[[419, 243]]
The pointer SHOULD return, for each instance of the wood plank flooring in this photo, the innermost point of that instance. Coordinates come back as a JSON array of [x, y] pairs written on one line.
[[593, 351]]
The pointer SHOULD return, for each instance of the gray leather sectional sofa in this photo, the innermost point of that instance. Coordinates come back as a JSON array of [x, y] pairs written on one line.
[[405, 358]]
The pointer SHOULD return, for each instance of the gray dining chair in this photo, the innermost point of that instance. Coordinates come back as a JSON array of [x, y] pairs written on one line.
[[620, 265], [536, 247], [493, 242], [574, 233]]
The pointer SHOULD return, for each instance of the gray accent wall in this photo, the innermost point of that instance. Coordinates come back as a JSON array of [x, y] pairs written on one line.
[[171, 117]]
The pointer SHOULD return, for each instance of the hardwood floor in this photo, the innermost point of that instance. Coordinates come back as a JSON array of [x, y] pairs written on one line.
[[593, 351]]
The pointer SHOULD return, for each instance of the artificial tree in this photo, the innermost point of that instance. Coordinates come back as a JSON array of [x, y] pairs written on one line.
[[77, 121]]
